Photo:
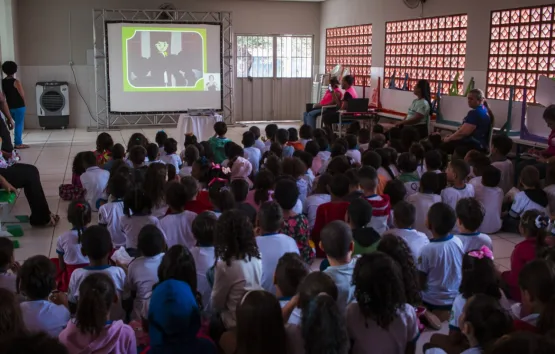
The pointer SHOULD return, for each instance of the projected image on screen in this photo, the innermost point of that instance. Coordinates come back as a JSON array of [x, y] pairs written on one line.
[[157, 59], [164, 67]]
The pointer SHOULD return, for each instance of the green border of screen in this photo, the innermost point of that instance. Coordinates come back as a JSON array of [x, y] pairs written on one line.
[[128, 33]]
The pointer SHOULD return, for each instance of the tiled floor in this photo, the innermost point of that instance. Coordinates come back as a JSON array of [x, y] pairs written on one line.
[[52, 151]]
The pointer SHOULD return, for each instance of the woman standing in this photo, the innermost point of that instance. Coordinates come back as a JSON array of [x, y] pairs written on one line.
[[15, 97], [420, 109]]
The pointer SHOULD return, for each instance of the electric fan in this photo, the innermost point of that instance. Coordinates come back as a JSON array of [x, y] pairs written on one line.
[[413, 4]]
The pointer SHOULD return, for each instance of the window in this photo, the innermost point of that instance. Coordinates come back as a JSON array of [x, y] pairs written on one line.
[[521, 48], [429, 48], [274, 56], [351, 47]]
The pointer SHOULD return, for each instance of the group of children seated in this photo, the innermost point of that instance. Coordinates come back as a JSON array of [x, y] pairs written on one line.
[[210, 250]]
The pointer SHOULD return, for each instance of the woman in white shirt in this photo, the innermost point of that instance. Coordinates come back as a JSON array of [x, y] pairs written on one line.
[[420, 109]]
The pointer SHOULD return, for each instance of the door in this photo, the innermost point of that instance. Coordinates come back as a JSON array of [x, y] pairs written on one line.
[[274, 77]]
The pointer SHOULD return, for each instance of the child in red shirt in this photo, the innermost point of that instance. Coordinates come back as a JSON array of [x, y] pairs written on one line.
[[526, 251], [334, 210]]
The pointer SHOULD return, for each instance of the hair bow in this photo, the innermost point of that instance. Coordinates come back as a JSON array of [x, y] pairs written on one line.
[[214, 180], [203, 161], [542, 222], [484, 251], [80, 206], [216, 166], [226, 170]]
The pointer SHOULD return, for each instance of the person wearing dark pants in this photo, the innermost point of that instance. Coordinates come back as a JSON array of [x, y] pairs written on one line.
[[474, 130], [6, 126], [26, 176]]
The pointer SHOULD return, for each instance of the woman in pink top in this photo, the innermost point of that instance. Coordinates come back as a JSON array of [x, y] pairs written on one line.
[[327, 100], [331, 116]]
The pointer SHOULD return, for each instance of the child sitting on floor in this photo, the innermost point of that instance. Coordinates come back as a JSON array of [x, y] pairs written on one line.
[[305, 133], [203, 229], [218, 142], [290, 272], [440, 262], [191, 155], [109, 214], [457, 172], [337, 242], [36, 280], [75, 190], [501, 147], [171, 156], [8, 263], [103, 152], [491, 197], [160, 140], [240, 189], [153, 154], [424, 199], [90, 330], [365, 237], [470, 214], [405, 214], [251, 152], [68, 246], [271, 243], [409, 176], [94, 180], [294, 139], [257, 142], [97, 245], [142, 272], [380, 203], [177, 224], [319, 196]]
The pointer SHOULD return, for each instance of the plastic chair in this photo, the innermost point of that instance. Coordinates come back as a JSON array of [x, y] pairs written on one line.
[[319, 119]]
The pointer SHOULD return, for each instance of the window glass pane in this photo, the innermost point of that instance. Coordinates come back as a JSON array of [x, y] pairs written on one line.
[[294, 56], [255, 56]]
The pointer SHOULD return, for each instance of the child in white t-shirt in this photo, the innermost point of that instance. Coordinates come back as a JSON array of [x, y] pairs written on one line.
[[171, 156], [203, 252], [479, 276], [440, 262], [353, 151], [457, 172], [177, 224], [142, 272], [97, 245], [478, 163], [423, 200], [532, 197], [94, 180], [405, 214], [491, 197], [136, 209], [251, 152], [36, 280], [320, 196], [153, 154], [271, 243], [68, 246], [190, 155], [380, 321], [290, 272], [110, 214], [501, 147], [470, 215]]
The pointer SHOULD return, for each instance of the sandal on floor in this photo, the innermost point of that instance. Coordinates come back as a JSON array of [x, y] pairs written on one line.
[[22, 146], [54, 219]]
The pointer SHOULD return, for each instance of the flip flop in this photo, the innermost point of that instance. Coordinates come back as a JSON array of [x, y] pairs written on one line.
[[54, 219], [22, 146]]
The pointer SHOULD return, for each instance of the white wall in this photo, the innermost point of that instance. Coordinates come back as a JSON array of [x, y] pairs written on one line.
[[337, 13], [7, 30], [44, 38]]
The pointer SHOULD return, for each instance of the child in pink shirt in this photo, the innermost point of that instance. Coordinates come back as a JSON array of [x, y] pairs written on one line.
[[90, 331]]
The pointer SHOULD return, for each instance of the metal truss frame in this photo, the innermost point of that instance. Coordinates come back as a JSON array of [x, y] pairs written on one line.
[[103, 119]]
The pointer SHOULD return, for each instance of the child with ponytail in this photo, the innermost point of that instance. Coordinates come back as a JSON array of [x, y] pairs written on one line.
[[220, 196], [68, 246], [532, 227], [91, 331]]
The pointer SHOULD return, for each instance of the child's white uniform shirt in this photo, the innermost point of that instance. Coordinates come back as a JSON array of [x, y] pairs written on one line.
[[522, 203], [422, 203], [355, 155], [177, 228], [132, 225], [458, 307], [452, 195], [110, 215], [8, 282], [94, 181], [69, 247], [295, 318], [474, 241], [115, 273], [259, 144], [507, 174], [172, 159], [311, 206], [204, 260], [414, 239], [475, 182], [44, 316], [159, 211], [155, 161], [492, 201], [368, 337], [254, 156], [142, 274], [550, 190], [441, 260], [185, 171], [272, 247]]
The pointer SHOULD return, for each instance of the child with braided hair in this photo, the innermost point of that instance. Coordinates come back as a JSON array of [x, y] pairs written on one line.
[[68, 246]]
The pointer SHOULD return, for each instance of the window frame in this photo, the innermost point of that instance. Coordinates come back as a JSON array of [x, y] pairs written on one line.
[[549, 55], [429, 72], [359, 69], [274, 56]]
